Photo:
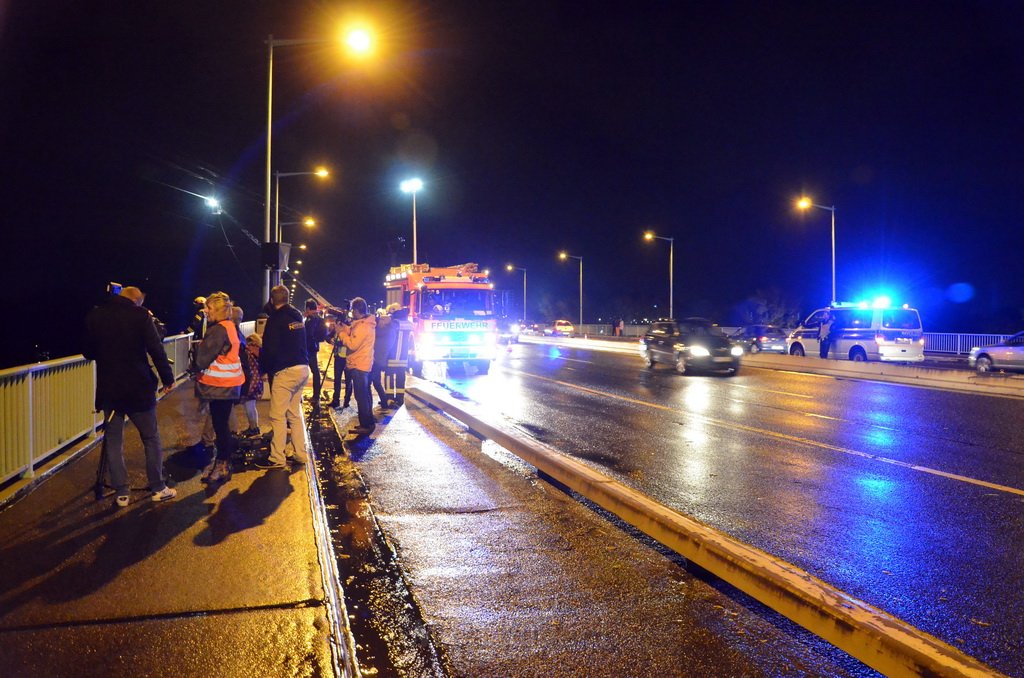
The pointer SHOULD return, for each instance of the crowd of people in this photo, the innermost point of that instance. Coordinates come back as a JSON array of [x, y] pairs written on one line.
[[229, 370]]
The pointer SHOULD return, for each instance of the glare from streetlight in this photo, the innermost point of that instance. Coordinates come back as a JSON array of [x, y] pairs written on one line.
[[563, 256], [359, 41], [309, 222], [411, 185], [509, 267], [804, 203], [302, 247], [649, 235], [322, 172], [298, 262]]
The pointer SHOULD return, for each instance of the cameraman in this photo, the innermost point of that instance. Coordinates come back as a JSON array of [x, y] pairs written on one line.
[[341, 372]]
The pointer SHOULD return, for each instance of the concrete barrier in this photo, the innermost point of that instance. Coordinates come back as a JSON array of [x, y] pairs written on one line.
[[876, 638]]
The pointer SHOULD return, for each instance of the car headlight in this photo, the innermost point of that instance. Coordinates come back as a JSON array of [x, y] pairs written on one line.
[[699, 352], [736, 350], [514, 329]]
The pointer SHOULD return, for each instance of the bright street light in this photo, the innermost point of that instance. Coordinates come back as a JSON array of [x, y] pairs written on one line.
[[651, 237], [321, 172], [565, 255], [358, 41], [412, 186], [510, 268], [805, 203]]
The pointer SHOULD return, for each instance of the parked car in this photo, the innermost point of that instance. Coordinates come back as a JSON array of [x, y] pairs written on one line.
[[757, 338], [560, 328], [690, 344], [860, 332], [1006, 355]]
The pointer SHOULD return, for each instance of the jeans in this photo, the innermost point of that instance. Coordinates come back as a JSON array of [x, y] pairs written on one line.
[[364, 403], [341, 373], [249, 406], [375, 380], [113, 445], [286, 410]]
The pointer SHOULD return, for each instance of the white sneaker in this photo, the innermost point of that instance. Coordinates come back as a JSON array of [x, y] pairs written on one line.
[[165, 494], [122, 500]]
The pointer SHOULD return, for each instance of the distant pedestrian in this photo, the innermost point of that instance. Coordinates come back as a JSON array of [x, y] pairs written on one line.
[[385, 335], [825, 335], [283, 358], [316, 332], [219, 359], [358, 339], [121, 338], [341, 373]]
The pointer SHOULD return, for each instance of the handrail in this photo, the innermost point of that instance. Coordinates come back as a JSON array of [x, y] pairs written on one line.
[[48, 406]]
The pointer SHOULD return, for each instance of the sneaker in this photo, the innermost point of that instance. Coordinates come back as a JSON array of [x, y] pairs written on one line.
[[221, 472], [267, 464], [122, 500], [165, 494]]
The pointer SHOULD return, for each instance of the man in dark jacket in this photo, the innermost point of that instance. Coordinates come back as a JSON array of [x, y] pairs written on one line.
[[119, 336], [283, 358], [316, 332]]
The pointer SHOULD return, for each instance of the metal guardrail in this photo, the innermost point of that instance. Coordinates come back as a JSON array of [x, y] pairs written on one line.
[[45, 407]]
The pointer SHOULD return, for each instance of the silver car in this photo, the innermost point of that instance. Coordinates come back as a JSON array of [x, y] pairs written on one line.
[[1006, 355]]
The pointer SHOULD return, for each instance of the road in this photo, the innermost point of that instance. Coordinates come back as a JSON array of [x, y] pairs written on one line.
[[907, 498]]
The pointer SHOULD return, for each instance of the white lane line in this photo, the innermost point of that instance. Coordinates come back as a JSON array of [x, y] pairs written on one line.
[[782, 436]]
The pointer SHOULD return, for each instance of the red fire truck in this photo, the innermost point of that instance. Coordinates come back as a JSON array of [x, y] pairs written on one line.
[[452, 314]]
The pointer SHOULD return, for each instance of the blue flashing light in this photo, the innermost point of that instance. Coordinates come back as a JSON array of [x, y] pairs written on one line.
[[881, 302]]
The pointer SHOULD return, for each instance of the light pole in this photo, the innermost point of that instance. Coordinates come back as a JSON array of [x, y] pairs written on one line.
[[359, 42], [321, 172], [565, 255], [511, 268], [411, 186], [805, 204], [649, 235]]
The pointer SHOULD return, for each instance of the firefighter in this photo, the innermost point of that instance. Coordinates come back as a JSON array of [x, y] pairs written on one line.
[[398, 358]]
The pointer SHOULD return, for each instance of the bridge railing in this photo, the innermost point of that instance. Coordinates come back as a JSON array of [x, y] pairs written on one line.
[[45, 407]]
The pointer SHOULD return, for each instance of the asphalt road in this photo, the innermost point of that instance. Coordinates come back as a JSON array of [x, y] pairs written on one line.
[[907, 498]]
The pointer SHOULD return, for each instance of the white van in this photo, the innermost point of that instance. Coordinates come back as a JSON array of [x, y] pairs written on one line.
[[860, 332]]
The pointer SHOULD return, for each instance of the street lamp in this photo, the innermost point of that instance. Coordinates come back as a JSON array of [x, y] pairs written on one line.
[[411, 186], [511, 268], [805, 204], [565, 255], [649, 235], [321, 172], [358, 41]]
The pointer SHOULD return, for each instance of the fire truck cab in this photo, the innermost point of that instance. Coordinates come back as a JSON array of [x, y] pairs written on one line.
[[451, 310]]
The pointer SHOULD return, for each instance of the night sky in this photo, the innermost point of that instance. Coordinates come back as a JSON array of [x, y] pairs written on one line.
[[536, 127]]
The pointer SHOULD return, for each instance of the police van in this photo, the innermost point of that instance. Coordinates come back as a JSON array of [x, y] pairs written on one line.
[[862, 332]]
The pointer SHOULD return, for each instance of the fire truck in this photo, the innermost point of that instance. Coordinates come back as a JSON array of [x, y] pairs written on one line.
[[452, 314]]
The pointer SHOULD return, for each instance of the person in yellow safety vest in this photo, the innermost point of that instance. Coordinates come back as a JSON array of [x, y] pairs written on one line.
[[220, 380], [341, 372], [398, 359]]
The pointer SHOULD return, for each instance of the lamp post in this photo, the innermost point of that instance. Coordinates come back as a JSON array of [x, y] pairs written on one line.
[[511, 268], [359, 42], [805, 204], [321, 172], [649, 235], [565, 255], [411, 186]]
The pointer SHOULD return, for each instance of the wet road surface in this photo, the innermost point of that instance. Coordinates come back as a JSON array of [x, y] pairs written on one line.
[[907, 498]]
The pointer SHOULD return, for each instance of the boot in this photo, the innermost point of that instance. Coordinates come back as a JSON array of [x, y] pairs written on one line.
[[207, 472], [221, 472]]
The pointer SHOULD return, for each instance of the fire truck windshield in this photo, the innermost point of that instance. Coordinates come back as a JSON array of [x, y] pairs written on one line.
[[455, 303]]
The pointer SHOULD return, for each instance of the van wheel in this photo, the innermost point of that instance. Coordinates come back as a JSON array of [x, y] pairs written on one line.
[[797, 350], [680, 363], [857, 355], [983, 363]]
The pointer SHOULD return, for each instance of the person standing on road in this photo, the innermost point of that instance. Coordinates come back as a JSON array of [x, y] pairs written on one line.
[[284, 358], [119, 337], [316, 332], [219, 358], [384, 338], [358, 339], [825, 335], [341, 373]]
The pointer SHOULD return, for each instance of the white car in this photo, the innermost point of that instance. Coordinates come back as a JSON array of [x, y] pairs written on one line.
[[1006, 355]]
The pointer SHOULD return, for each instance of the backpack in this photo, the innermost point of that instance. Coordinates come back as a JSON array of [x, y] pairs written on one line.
[[252, 389]]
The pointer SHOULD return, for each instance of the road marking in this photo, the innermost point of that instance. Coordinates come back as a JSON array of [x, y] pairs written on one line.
[[769, 390], [782, 436]]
